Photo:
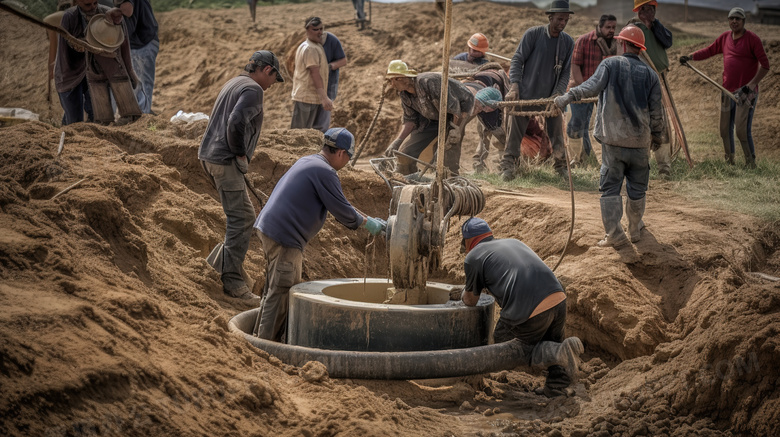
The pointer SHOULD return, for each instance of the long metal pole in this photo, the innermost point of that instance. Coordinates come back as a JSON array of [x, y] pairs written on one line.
[[445, 76]]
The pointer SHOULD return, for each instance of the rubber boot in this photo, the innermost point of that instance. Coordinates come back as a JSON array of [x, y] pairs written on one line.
[[575, 152], [567, 355], [611, 213], [507, 170], [635, 209], [730, 158]]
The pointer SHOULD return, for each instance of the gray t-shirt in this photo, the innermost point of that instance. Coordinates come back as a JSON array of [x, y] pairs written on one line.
[[513, 274]]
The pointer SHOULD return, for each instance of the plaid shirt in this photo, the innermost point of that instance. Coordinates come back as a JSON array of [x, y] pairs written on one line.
[[587, 54]]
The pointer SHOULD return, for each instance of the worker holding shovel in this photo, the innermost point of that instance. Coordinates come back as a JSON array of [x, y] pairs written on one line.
[[744, 65]]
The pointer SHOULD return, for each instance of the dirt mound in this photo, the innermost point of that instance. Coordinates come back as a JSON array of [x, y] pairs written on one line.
[[113, 322]]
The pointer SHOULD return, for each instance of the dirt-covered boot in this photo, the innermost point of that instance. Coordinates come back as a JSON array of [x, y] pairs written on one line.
[[635, 209], [508, 171], [730, 158], [611, 213], [750, 162], [567, 354]]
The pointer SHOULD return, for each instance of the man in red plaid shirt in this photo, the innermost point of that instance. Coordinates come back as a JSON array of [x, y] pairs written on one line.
[[589, 50]]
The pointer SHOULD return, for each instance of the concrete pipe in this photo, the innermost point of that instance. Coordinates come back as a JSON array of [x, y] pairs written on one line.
[[389, 365], [349, 314]]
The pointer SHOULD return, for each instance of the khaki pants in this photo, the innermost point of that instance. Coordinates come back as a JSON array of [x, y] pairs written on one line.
[[283, 270]]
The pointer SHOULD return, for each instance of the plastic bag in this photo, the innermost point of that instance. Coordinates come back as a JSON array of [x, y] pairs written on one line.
[[188, 117]]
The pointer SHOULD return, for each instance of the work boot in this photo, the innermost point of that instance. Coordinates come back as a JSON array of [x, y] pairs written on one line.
[[550, 353], [507, 170], [611, 213], [635, 209], [575, 152], [750, 162], [243, 293], [730, 158]]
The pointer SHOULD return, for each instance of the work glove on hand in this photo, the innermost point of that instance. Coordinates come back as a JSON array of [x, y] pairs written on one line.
[[562, 101], [395, 145], [375, 225], [685, 59], [513, 93]]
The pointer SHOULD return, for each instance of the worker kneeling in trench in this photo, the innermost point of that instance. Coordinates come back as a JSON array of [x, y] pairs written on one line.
[[533, 303]]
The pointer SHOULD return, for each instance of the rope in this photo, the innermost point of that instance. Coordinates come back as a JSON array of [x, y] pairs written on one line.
[[571, 190], [550, 109], [371, 126]]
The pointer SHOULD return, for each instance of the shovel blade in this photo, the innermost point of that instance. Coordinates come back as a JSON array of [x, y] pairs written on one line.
[[215, 258]]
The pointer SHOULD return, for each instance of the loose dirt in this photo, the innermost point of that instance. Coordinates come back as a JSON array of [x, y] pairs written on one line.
[[114, 324]]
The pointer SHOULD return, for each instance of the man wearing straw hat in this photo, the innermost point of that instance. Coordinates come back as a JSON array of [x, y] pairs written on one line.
[[70, 69], [114, 75], [630, 120], [540, 69]]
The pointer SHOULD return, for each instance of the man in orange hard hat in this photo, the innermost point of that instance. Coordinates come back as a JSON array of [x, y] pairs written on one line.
[[630, 120], [658, 39], [478, 45]]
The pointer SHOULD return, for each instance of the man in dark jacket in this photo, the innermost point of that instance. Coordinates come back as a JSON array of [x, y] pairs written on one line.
[[225, 152]]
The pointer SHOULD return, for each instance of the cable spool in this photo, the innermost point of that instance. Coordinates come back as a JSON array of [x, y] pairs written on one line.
[[462, 197]]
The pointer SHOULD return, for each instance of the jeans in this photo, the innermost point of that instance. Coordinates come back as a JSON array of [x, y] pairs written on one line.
[[75, 102], [622, 162], [240, 216], [358, 4], [579, 125], [144, 60], [737, 118], [284, 268], [322, 119]]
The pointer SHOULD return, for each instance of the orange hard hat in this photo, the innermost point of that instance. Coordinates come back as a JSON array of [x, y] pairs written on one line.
[[633, 35], [638, 3], [478, 42]]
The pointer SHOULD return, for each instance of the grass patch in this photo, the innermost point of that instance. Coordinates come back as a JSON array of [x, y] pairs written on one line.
[[537, 176]]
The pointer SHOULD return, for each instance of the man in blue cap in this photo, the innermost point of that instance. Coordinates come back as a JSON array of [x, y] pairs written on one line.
[[533, 303], [225, 152], [294, 214]]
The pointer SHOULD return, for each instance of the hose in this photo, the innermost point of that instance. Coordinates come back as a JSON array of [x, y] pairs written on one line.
[[389, 365], [371, 126]]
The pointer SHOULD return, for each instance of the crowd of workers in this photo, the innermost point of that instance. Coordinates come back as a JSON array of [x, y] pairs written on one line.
[[548, 64]]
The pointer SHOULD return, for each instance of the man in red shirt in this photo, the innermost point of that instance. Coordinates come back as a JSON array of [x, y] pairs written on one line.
[[744, 65], [589, 50]]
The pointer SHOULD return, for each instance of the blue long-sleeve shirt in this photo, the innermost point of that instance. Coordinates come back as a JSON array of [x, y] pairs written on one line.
[[301, 200], [533, 64], [630, 110]]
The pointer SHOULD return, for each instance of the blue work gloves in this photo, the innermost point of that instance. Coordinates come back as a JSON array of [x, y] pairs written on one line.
[[375, 225]]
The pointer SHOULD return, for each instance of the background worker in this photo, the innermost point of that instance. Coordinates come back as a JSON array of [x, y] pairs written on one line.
[[491, 124], [477, 46], [540, 69], [144, 46], [630, 119], [744, 65], [294, 214], [225, 152], [309, 94], [360, 15], [657, 40], [589, 50], [70, 69], [334, 54], [533, 303], [111, 76], [420, 96], [54, 19]]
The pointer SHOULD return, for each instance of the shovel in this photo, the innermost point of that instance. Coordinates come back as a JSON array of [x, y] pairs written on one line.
[[215, 260], [719, 86]]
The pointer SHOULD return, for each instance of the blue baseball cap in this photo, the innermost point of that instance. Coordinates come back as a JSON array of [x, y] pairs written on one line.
[[475, 227], [340, 138]]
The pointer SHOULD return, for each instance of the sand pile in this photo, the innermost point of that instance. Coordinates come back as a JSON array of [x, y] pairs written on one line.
[[113, 323]]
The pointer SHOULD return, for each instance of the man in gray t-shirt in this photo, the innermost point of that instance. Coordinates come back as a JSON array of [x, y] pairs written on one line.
[[533, 303], [540, 69]]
